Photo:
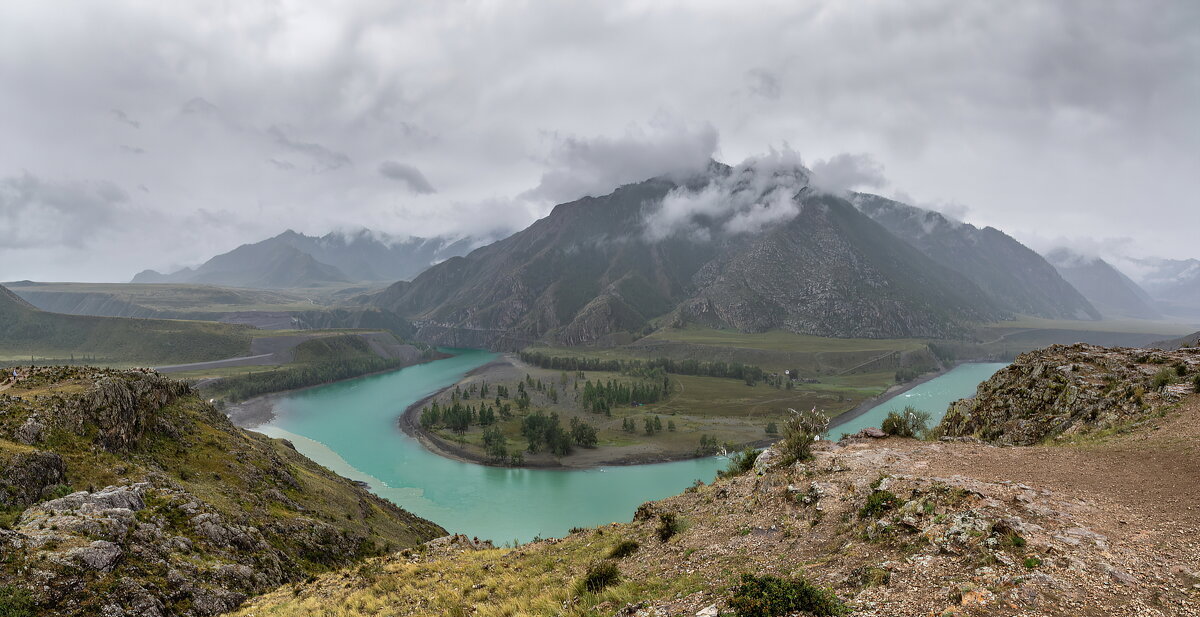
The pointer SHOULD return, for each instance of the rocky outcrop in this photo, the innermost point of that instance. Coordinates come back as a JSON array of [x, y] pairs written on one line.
[[1063, 391], [184, 514], [30, 477]]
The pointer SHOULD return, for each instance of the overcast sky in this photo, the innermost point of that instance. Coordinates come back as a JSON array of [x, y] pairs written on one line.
[[146, 135]]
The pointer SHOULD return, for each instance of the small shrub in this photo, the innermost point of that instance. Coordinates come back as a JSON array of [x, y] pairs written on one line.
[[1163, 378], [1196, 383], [599, 576], [623, 549], [908, 423], [668, 526], [878, 503], [799, 433], [1181, 369], [15, 602], [871, 576], [740, 463], [768, 596], [1032, 562]]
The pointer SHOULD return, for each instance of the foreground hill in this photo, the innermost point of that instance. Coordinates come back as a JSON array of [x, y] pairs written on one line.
[[877, 527], [1014, 276], [26, 330], [295, 260], [602, 266], [123, 493], [1113, 293]]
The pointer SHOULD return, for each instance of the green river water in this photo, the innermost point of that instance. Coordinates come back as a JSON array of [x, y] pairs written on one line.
[[351, 427]]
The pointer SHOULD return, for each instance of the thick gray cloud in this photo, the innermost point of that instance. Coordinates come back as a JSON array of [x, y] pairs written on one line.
[[1077, 116], [407, 174], [581, 166], [37, 212], [845, 172]]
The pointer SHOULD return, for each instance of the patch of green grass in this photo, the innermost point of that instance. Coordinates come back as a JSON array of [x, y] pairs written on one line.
[[599, 576], [16, 602], [768, 596], [623, 549], [780, 340], [878, 503]]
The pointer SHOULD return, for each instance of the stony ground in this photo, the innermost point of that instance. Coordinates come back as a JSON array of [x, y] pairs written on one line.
[[1095, 529]]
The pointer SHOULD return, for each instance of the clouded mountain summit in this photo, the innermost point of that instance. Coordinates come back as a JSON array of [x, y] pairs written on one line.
[[752, 247]]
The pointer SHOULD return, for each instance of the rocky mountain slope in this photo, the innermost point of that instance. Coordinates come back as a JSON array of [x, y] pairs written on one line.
[[1014, 276], [889, 527], [744, 248], [295, 260], [1113, 293], [1190, 340], [1075, 391], [26, 330], [123, 493]]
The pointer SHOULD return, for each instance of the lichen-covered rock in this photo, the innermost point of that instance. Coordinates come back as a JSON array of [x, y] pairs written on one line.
[[29, 476], [1066, 390]]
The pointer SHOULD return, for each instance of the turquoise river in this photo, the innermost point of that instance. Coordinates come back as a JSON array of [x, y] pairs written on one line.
[[351, 427]]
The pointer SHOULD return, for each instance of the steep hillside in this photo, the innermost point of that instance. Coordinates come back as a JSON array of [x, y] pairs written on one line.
[[25, 330], [296, 260], [1065, 392], [1190, 340], [601, 266], [1113, 293], [877, 528], [1012, 275], [125, 494]]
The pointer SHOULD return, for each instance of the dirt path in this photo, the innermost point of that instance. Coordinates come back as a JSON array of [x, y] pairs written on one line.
[[1152, 476]]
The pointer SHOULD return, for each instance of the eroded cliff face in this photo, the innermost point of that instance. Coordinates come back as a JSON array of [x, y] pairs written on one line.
[[125, 494], [1064, 391]]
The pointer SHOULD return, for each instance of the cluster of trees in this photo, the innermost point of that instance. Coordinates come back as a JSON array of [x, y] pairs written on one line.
[[542, 430], [600, 397], [650, 424], [242, 387], [458, 416], [708, 446], [732, 370]]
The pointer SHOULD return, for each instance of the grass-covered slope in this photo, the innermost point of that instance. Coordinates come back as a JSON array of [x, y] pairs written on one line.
[[323, 360], [123, 493], [25, 331]]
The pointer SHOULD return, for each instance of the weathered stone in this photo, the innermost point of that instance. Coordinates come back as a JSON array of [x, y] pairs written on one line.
[[99, 555]]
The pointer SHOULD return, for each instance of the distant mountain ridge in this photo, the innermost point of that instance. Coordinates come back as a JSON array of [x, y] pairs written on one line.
[[591, 270], [1175, 283], [1113, 293], [1013, 275], [293, 259]]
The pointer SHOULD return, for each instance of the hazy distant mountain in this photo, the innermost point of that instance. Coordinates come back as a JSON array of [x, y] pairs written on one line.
[[1014, 276], [296, 260], [1110, 291], [599, 266], [1173, 282]]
